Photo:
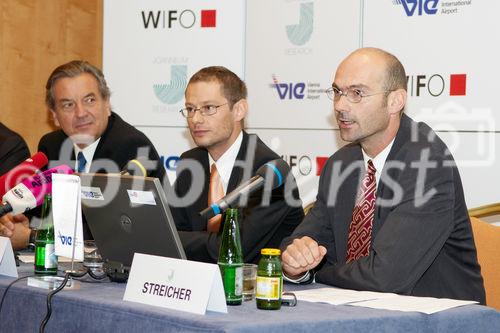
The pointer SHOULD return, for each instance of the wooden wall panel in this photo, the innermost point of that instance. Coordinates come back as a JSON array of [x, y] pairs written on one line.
[[35, 37]]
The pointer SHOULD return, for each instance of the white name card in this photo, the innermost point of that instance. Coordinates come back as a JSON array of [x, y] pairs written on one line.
[[183, 285], [7, 260]]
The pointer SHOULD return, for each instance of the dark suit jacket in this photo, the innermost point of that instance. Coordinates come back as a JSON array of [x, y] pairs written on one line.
[[118, 145], [260, 225], [422, 242], [13, 149]]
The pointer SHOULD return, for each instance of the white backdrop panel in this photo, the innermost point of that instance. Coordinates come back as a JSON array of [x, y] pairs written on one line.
[[152, 47], [293, 48], [450, 52], [479, 170]]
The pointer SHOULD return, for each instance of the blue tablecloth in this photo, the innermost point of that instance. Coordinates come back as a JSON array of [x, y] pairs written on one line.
[[98, 307]]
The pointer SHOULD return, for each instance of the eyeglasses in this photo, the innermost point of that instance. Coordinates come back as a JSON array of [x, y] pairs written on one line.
[[205, 110], [353, 95]]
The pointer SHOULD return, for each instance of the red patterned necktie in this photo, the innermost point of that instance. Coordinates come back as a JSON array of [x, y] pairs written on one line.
[[360, 230], [215, 193]]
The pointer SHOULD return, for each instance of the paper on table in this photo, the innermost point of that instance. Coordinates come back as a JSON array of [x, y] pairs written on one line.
[[427, 305], [337, 296], [377, 300], [30, 258]]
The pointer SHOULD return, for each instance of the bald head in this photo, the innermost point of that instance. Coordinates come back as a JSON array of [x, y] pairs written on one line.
[[393, 75]]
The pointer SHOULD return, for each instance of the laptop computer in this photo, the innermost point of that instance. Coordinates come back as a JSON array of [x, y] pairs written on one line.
[[128, 214]]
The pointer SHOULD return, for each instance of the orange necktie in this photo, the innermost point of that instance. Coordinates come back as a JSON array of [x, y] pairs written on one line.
[[215, 193]]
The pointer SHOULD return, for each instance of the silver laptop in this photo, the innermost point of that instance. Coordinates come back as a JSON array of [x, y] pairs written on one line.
[[129, 214]]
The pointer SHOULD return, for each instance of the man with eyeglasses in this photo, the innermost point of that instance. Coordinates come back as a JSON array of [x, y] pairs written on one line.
[[92, 138], [226, 156], [390, 213]]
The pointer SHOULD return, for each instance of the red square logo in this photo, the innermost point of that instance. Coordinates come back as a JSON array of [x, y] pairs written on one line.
[[320, 163], [458, 84], [208, 18]]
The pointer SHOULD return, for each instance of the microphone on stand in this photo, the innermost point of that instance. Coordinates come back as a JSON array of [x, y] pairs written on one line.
[[136, 167], [274, 171]]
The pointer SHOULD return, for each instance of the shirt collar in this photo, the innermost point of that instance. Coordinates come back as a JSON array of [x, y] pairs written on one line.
[[225, 163], [379, 160], [88, 152]]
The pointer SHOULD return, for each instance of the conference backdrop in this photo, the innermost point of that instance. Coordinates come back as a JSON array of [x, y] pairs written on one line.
[[287, 52]]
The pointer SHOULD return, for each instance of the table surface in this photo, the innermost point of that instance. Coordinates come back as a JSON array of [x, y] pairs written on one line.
[[98, 306]]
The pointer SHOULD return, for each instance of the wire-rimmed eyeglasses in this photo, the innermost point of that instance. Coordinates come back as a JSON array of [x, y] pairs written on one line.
[[205, 110], [353, 95]]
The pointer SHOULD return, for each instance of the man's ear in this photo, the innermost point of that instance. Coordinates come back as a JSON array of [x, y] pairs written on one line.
[[107, 105], [396, 101], [240, 109], [54, 117]]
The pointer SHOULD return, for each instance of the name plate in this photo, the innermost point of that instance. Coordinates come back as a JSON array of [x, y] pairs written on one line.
[[183, 285], [7, 260]]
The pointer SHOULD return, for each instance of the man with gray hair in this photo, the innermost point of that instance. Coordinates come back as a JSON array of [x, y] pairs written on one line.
[[92, 138]]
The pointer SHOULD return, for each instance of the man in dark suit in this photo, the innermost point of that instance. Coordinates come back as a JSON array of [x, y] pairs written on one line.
[[92, 138], [78, 99], [215, 109], [13, 149], [390, 214]]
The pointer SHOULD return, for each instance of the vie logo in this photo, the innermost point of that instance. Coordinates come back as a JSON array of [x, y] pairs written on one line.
[[290, 90], [299, 34], [172, 92], [419, 7], [65, 240], [167, 19]]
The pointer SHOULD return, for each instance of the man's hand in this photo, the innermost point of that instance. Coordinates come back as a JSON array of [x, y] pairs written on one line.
[[17, 228], [302, 255]]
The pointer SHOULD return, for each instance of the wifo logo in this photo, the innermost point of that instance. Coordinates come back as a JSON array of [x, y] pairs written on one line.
[[418, 7], [299, 34], [168, 19], [172, 92], [437, 84]]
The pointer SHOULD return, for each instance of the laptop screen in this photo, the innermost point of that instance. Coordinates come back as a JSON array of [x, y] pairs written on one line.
[[129, 214]]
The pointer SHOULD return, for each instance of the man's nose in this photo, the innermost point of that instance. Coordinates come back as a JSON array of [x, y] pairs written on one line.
[[80, 110]]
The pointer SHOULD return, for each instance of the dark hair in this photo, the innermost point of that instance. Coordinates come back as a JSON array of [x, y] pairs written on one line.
[[233, 88], [73, 69]]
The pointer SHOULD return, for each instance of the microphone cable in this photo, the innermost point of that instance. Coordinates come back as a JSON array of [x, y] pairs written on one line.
[[67, 275], [7, 289]]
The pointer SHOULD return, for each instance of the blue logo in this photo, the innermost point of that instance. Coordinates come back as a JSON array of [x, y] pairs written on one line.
[[173, 92], [65, 240], [418, 7], [299, 34], [289, 90], [170, 162]]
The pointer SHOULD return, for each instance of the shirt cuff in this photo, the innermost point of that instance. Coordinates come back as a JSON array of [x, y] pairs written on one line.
[[304, 278]]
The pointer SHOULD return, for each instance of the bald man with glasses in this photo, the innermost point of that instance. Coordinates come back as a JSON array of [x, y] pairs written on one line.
[[390, 213]]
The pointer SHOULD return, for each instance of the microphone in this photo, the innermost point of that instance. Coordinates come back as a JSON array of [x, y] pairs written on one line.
[[30, 192], [22, 171], [274, 171], [135, 167]]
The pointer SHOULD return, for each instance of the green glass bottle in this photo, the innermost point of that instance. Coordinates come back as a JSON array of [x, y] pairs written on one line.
[[45, 256], [269, 280], [231, 259]]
